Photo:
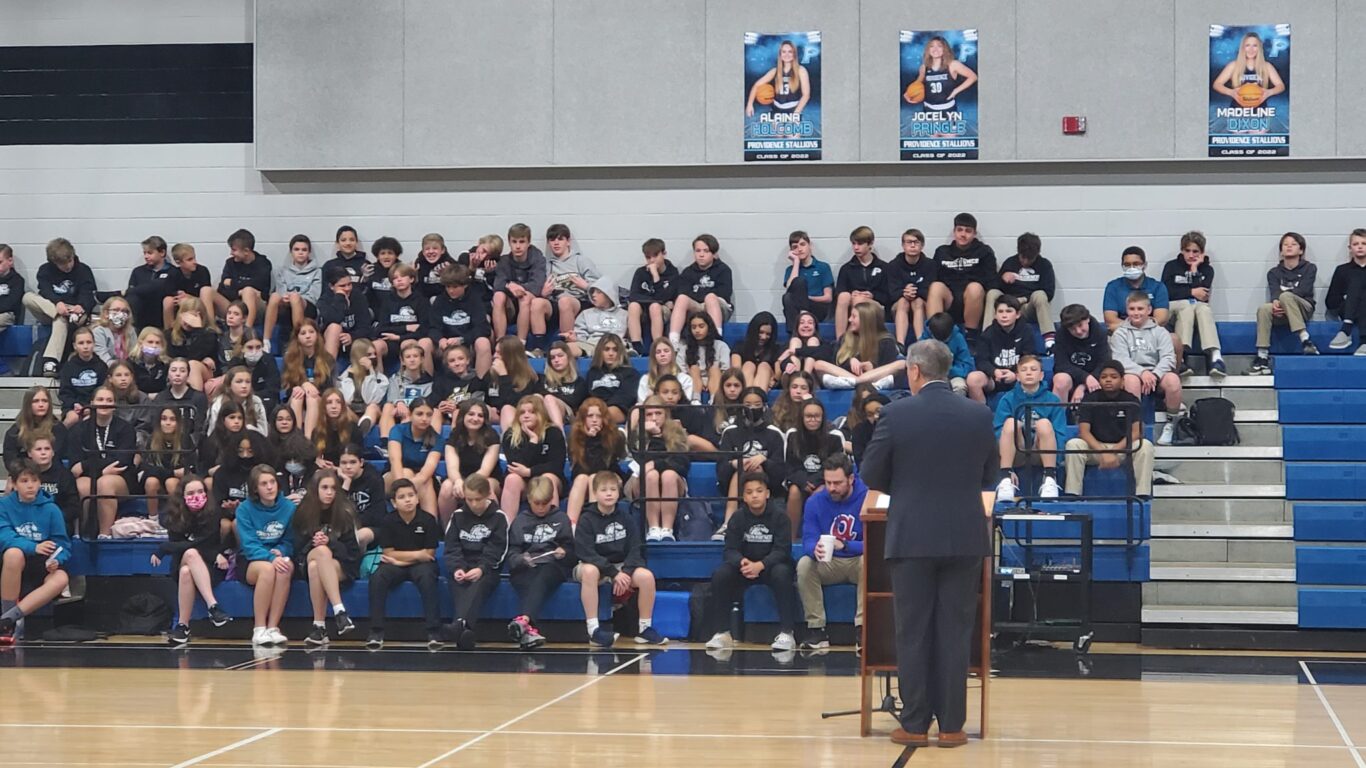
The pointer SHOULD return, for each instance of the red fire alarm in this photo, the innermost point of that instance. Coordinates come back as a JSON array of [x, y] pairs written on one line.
[[1073, 125]]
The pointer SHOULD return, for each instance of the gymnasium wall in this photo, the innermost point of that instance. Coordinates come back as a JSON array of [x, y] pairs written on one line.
[[107, 198]]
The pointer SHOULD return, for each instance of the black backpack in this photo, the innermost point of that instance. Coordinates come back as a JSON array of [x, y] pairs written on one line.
[[1211, 421], [144, 613]]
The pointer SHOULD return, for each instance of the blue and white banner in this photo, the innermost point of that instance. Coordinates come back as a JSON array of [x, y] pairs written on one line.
[[939, 95], [783, 96], [1249, 94]]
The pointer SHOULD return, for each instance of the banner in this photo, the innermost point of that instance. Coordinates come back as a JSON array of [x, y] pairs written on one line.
[[783, 96], [939, 95], [1249, 95]]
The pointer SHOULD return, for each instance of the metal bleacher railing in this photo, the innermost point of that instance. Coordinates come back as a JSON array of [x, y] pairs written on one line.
[[637, 444]]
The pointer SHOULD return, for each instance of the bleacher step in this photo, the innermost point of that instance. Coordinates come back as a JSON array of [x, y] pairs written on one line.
[[1282, 594], [1230, 472], [1197, 530], [1213, 491], [1240, 382], [1220, 615], [1221, 510], [1250, 572], [1219, 452], [1221, 550], [1259, 398], [1242, 416]]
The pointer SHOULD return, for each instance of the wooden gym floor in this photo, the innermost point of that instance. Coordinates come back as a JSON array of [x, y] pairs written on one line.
[[114, 704]]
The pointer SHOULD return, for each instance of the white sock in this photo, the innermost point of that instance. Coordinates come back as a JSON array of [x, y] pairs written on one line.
[[592, 626], [319, 625], [644, 624], [1263, 352], [1304, 335], [1214, 355], [338, 608]]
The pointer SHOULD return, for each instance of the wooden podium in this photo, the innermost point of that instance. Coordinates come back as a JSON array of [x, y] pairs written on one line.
[[879, 623]]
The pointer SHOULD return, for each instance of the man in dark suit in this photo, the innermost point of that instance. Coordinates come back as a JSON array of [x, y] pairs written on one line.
[[935, 455]]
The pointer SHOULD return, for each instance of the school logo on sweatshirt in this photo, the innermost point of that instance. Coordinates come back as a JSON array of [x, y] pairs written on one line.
[[4, 289], [86, 378], [1026, 275], [1007, 358], [274, 531], [962, 263], [759, 534], [405, 314], [64, 287], [812, 463], [457, 319], [476, 534], [613, 532], [608, 381], [30, 531], [753, 448], [543, 533], [703, 283], [1081, 359], [360, 498]]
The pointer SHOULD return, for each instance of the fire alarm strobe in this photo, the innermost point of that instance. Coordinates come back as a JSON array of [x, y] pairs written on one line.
[[1073, 125]]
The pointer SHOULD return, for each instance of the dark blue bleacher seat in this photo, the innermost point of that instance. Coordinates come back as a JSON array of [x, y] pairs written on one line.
[[1330, 522], [1342, 442], [1332, 608], [1325, 481], [1321, 406]]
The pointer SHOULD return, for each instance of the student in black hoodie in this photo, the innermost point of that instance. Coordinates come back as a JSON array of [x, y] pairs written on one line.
[[56, 479], [189, 280], [809, 444], [608, 545], [64, 300], [705, 285], [459, 317], [533, 447], [79, 376], [862, 278], [325, 543], [350, 256], [652, 292], [476, 546], [612, 377], [11, 289], [1029, 278], [364, 485], [999, 350], [760, 446], [1082, 347], [482, 262], [758, 551], [540, 558], [431, 261], [1190, 281], [246, 277], [149, 284], [909, 276], [965, 270], [403, 316], [343, 313], [192, 403], [375, 284], [1346, 297]]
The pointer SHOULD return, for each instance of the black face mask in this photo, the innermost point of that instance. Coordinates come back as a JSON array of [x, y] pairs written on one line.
[[753, 415]]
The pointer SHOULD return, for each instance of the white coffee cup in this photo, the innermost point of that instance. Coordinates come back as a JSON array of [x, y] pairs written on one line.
[[827, 548]]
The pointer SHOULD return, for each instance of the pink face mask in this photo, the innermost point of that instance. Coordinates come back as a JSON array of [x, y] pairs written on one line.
[[196, 501]]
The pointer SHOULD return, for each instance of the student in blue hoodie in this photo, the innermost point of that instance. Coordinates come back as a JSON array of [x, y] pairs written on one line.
[[35, 545], [1042, 434], [264, 557], [941, 327], [831, 511]]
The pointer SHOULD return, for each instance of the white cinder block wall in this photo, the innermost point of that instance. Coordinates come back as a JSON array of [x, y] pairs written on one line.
[[107, 199]]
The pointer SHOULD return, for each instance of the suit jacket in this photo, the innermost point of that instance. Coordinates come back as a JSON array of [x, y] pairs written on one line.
[[934, 454]]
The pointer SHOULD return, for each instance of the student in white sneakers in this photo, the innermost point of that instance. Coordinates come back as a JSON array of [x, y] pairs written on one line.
[[1038, 429], [1290, 288], [1145, 349], [758, 551]]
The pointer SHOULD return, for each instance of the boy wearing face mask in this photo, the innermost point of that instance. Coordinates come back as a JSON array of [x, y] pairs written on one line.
[[1134, 262]]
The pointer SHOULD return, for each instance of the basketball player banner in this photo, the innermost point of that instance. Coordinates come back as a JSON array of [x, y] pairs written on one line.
[[1249, 95], [783, 96], [939, 95]]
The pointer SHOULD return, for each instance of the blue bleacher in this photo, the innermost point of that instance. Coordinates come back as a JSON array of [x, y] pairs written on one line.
[[1332, 608], [1339, 442], [1330, 522], [1320, 406]]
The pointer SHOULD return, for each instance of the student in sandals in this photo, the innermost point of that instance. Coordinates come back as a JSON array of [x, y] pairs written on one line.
[[612, 378], [189, 280], [601, 319], [414, 455], [403, 317], [798, 388], [343, 312], [408, 540], [308, 371], [198, 560], [472, 448], [835, 511], [705, 355], [1145, 350], [760, 447], [965, 269], [1110, 434], [807, 282], [1039, 431], [940, 327], [298, 285], [1083, 346], [456, 383], [809, 444], [517, 282], [364, 486], [246, 276], [459, 318], [196, 341], [758, 551], [570, 274], [861, 279], [476, 546], [1290, 288], [35, 546], [1028, 277], [325, 542], [909, 277], [35, 416], [999, 351], [265, 553], [758, 354], [540, 558], [149, 361], [653, 289], [533, 447], [191, 403], [610, 551], [431, 261], [64, 299], [664, 362], [349, 255], [79, 376], [866, 354], [1345, 298], [565, 389], [408, 384], [704, 286], [1190, 279], [511, 379], [115, 335], [364, 385], [595, 445], [374, 278], [106, 457], [58, 482], [664, 467]]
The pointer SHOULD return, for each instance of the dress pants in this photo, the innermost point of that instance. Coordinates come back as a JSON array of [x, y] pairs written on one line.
[[935, 602]]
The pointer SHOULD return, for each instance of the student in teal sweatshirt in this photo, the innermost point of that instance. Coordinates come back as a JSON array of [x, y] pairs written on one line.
[[1042, 434], [940, 326], [35, 545], [264, 559]]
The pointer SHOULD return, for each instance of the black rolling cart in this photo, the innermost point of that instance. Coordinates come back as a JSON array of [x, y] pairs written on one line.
[[1035, 571]]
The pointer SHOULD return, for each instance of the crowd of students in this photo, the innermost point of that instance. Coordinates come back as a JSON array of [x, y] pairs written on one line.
[[258, 470]]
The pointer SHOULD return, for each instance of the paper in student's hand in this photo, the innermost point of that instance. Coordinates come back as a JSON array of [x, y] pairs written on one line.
[[543, 557]]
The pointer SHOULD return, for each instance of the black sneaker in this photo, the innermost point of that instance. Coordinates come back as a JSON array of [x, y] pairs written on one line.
[[317, 636], [179, 636], [218, 616], [464, 635], [376, 640], [1186, 369], [1308, 348], [1261, 366], [344, 622], [7, 631], [816, 640], [434, 641]]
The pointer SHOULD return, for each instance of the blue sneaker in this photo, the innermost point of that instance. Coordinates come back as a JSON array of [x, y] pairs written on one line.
[[1217, 369], [651, 636], [602, 638]]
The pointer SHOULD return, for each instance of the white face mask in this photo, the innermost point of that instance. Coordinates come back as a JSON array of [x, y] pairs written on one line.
[[294, 468], [118, 318], [253, 357], [1133, 273]]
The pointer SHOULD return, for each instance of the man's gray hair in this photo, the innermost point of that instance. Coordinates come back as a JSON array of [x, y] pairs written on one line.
[[932, 357]]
